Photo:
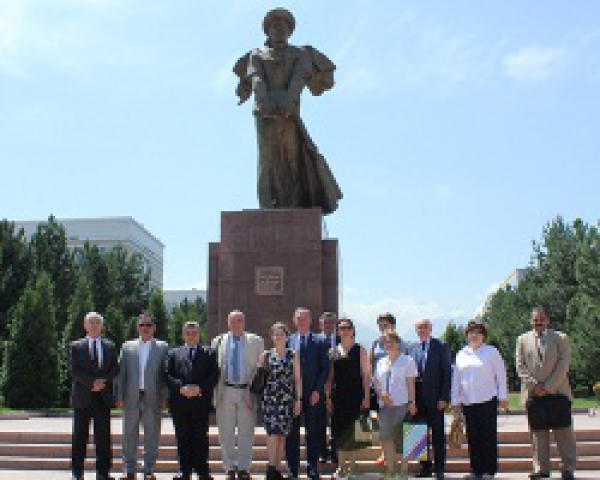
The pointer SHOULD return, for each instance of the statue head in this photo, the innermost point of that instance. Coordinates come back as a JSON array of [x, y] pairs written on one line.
[[279, 25]]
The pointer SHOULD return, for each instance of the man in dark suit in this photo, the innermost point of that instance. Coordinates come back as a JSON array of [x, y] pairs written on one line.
[[93, 365], [328, 324], [314, 364], [432, 392], [191, 374]]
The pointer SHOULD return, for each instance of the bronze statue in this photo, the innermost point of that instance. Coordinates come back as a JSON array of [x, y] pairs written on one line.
[[291, 171]]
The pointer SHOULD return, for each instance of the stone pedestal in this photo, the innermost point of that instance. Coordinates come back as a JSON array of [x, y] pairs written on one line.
[[268, 263]]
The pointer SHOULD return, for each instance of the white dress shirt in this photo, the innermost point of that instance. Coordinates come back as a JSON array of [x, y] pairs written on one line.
[[143, 353], [98, 348], [241, 346], [298, 340], [478, 376]]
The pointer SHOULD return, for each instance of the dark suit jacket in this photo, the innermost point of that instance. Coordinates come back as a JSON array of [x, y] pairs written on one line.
[[314, 365], [438, 372], [84, 373], [179, 371]]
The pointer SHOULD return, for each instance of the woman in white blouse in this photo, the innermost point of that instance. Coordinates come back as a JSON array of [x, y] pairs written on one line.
[[395, 386], [478, 387]]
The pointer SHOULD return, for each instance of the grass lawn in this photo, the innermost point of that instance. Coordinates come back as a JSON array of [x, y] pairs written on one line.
[[515, 402]]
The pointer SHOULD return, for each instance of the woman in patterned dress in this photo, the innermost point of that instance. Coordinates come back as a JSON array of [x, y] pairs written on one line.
[[281, 399]]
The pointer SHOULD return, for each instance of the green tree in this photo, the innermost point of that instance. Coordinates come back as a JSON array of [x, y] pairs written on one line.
[[584, 312], [158, 311], [187, 311], [117, 326], [454, 336], [129, 281], [15, 269], [30, 372], [93, 263], [51, 255], [81, 305]]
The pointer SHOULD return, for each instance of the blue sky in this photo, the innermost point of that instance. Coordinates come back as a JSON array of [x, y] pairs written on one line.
[[456, 130]]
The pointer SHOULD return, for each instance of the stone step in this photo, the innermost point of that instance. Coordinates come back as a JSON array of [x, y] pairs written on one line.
[[259, 467], [30, 437], [260, 452]]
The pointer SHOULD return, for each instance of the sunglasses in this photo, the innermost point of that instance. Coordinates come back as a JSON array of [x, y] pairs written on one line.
[[145, 325], [345, 327]]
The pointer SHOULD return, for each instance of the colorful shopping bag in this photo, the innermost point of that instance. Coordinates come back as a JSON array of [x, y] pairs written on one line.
[[415, 441]]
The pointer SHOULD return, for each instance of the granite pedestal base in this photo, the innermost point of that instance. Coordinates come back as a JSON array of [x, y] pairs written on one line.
[[268, 263]]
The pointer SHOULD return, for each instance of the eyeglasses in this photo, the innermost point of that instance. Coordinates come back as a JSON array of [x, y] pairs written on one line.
[[145, 325], [476, 331], [345, 327]]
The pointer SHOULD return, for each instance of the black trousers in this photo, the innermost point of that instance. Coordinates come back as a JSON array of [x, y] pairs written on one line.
[[435, 421], [99, 412], [481, 420], [328, 449], [191, 432]]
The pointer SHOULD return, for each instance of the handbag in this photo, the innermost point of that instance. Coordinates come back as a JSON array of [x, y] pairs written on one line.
[[456, 436], [366, 430], [549, 412], [259, 381]]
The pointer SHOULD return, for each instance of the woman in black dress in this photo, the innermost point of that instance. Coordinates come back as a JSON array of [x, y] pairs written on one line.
[[347, 393], [280, 400]]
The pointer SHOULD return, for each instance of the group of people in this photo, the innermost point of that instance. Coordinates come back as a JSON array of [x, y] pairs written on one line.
[[324, 381]]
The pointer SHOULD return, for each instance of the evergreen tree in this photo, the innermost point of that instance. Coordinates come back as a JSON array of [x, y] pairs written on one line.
[[187, 311], [129, 282], [158, 312], [454, 336], [51, 255], [94, 264], [81, 305], [117, 327], [30, 372], [15, 269]]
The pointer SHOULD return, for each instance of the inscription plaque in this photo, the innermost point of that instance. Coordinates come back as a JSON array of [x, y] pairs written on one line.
[[269, 281]]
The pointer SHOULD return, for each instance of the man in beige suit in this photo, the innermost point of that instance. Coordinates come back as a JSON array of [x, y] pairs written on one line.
[[543, 358], [238, 353]]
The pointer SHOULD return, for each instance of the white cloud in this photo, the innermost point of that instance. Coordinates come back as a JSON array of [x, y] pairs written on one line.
[[483, 297], [533, 62]]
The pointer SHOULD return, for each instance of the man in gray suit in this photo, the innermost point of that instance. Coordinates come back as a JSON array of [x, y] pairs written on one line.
[[141, 392], [238, 353], [543, 357]]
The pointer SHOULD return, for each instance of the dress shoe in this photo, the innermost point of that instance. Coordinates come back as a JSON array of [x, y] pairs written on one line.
[[181, 476], [149, 476], [535, 475], [424, 474], [243, 475], [568, 476], [127, 476], [313, 474]]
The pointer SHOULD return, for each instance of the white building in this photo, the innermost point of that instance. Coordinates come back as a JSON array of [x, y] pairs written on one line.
[[111, 232], [173, 298]]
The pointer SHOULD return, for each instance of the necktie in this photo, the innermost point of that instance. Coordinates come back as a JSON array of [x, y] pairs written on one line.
[[235, 360], [541, 347], [95, 362], [422, 358], [192, 354], [302, 345]]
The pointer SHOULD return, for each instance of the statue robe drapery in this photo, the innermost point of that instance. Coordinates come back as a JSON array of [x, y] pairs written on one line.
[[291, 171]]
